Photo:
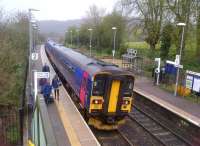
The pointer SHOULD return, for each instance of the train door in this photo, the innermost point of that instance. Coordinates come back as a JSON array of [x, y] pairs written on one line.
[[83, 88]]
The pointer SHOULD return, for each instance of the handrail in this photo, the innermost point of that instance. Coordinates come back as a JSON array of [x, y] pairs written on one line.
[[48, 131]]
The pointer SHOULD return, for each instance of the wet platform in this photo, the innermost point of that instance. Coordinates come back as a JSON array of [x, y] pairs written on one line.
[[178, 105], [68, 125]]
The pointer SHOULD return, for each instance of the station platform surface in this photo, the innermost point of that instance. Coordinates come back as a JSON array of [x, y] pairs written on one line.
[[68, 125], [178, 105]]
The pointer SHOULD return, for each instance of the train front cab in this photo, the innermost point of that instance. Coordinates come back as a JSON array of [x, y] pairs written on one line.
[[111, 100]]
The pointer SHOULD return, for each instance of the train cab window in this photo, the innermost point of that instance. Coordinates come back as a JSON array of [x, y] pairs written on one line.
[[98, 87], [128, 88]]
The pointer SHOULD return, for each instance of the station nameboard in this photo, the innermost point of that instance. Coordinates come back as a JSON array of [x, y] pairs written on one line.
[[42, 75]]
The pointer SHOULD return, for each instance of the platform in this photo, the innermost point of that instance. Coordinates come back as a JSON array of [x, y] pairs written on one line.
[[178, 105], [75, 128]]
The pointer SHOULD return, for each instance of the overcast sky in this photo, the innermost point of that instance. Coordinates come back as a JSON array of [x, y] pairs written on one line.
[[57, 9]]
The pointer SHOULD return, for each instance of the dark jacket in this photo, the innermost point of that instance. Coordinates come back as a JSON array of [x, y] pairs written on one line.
[[46, 90], [56, 83], [45, 68]]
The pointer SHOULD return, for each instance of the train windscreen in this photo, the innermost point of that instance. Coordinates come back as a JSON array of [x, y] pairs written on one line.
[[98, 86], [128, 87]]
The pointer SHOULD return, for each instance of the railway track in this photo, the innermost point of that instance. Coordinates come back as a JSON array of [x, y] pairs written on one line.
[[156, 129], [111, 138]]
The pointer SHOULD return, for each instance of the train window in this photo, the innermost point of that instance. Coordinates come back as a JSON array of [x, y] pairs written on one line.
[[128, 88], [98, 87]]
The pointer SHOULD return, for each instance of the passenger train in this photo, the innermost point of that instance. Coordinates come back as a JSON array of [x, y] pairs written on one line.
[[104, 91]]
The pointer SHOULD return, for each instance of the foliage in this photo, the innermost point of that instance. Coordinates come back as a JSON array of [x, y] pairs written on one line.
[[182, 11], [102, 33], [151, 12], [71, 36], [166, 40], [13, 53]]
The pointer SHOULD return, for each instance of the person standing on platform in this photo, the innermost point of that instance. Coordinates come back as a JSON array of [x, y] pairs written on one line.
[[45, 68], [46, 91], [56, 83], [43, 81]]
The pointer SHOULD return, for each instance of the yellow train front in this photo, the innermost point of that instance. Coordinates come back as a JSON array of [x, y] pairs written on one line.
[[111, 99], [104, 91]]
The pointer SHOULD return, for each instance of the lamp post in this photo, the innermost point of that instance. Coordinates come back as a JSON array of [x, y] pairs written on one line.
[[35, 28], [71, 37], [66, 38], [77, 37], [180, 53], [90, 29], [29, 78], [30, 45], [114, 37]]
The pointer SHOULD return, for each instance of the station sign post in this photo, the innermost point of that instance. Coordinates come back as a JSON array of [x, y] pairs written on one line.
[[39, 75], [157, 70]]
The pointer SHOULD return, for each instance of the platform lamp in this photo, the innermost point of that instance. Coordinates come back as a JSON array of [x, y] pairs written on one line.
[[66, 38], [35, 28], [90, 30], [77, 37], [114, 37], [71, 37], [180, 53], [31, 21]]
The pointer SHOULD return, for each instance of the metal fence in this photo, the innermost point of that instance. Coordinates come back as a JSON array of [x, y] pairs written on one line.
[[9, 128]]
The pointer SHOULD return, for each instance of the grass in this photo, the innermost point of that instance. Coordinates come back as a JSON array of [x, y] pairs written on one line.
[[138, 45], [141, 45]]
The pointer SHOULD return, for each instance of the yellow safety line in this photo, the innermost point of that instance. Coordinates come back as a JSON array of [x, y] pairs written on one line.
[[68, 127]]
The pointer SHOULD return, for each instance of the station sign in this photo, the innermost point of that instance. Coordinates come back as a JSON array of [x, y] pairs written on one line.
[[177, 60], [42, 75], [113, 52], [39, 75], [174, 64], [158, 60], [34, 56]]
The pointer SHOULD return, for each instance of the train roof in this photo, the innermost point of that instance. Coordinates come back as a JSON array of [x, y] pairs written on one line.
[[92, 65]]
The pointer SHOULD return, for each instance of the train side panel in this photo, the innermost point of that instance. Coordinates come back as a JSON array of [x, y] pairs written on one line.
[[79, 80]]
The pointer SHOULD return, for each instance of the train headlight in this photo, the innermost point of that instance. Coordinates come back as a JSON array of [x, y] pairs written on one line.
[[126, 102], [97, 101]]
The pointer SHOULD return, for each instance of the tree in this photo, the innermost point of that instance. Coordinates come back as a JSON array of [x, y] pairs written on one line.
[[93, 20], [102, 29], [197, 10], [181, 9], [14, 39], [117, 20], [166, 39], [71, 36], [151, 12]]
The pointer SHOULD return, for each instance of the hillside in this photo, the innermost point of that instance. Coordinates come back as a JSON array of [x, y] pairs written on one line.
[[57, 27]]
